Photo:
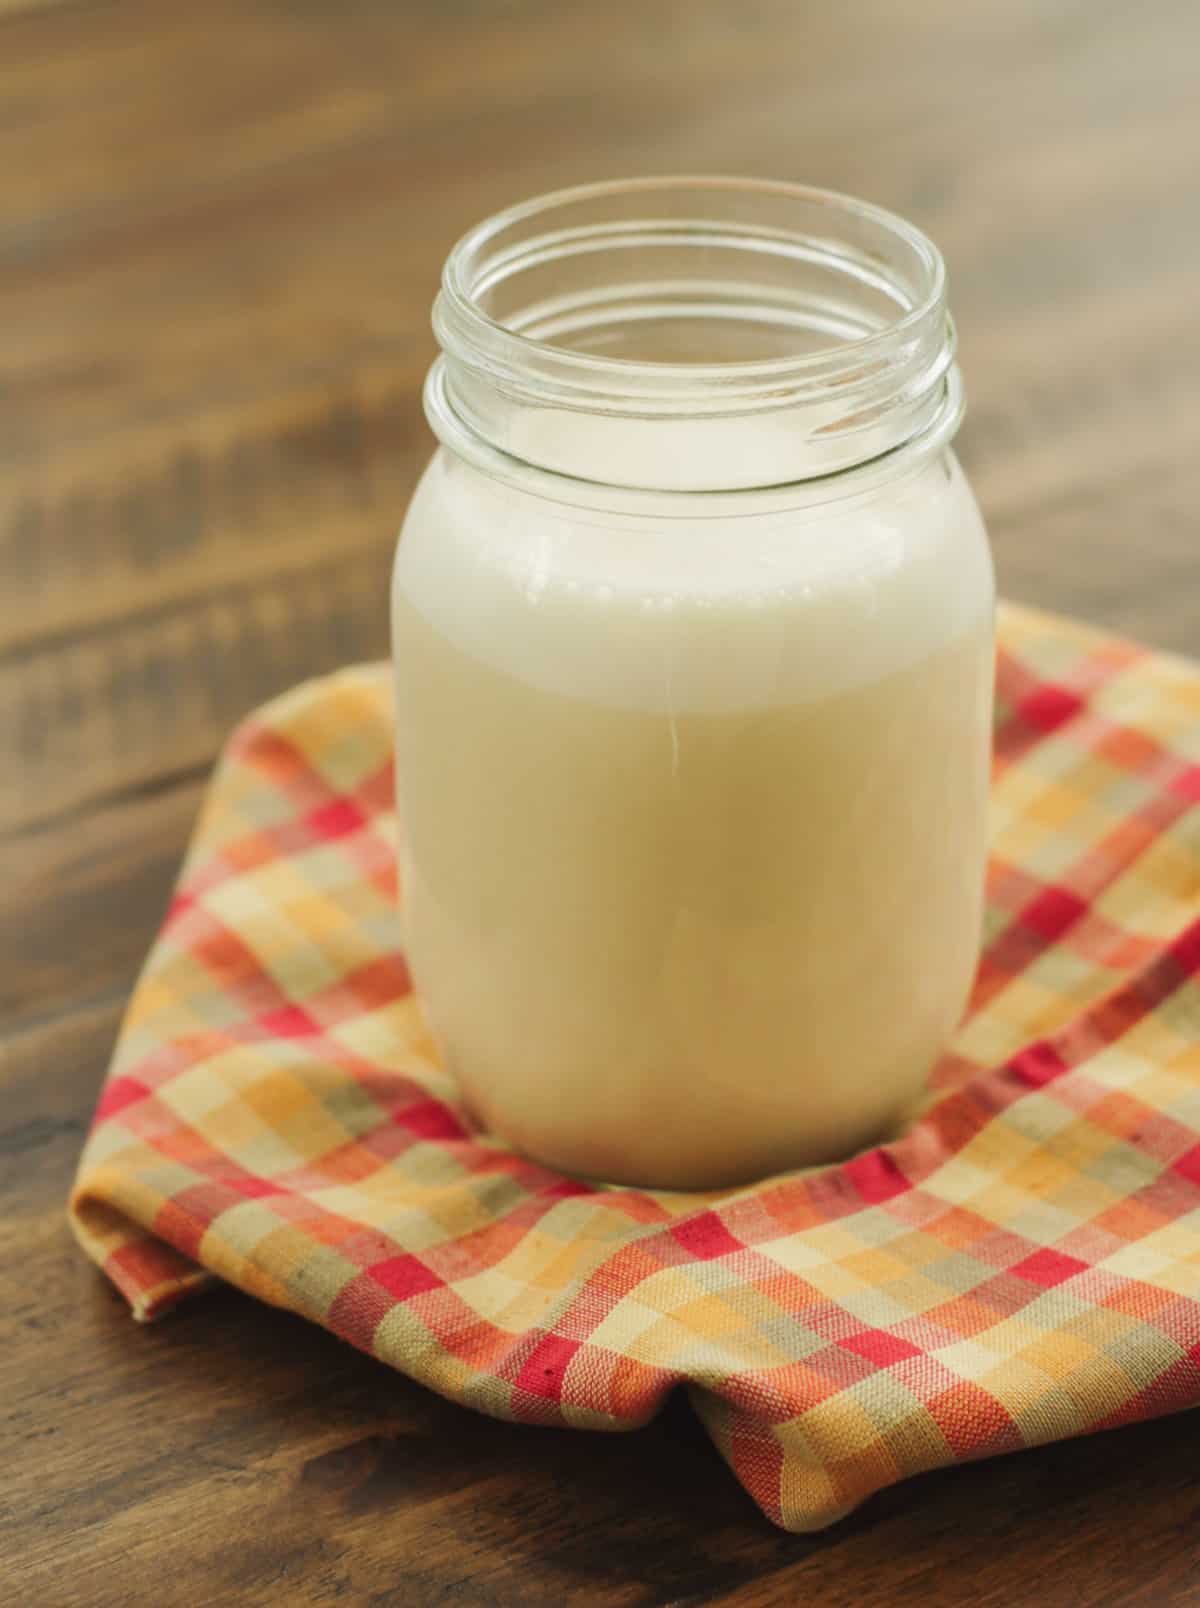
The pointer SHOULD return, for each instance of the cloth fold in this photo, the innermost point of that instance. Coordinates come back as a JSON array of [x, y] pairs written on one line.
[[1022, 1264]]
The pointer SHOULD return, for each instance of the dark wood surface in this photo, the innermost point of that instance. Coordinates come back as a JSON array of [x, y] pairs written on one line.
[[220, 230]]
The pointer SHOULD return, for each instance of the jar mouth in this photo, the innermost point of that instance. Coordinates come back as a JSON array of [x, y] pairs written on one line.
[[757, 332]]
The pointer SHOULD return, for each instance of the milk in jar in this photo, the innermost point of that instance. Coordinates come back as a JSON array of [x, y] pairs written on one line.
[[692, 744]]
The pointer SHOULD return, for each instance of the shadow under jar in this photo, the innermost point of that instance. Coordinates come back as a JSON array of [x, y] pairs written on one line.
[[693, 638]]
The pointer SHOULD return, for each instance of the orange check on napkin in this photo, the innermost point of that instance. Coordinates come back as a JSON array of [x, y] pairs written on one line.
[[1022, 1265]]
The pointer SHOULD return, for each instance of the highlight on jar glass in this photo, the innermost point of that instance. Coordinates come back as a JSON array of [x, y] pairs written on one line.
[[693, 639]]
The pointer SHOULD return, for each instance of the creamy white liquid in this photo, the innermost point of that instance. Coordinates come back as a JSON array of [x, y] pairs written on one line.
[[692, 815]]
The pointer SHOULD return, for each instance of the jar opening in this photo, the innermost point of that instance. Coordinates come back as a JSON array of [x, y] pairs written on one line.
[[696, 333]]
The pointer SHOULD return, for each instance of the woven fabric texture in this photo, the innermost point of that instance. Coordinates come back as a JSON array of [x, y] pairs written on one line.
[[1022, 1264]]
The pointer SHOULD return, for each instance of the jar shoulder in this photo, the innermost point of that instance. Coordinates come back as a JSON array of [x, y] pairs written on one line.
[[692, 544]]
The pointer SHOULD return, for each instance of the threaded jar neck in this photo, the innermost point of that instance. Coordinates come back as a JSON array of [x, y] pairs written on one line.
[[695, 334]]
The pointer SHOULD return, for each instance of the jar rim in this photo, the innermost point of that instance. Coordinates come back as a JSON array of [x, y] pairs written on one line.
[[465, 254], [860, 291]]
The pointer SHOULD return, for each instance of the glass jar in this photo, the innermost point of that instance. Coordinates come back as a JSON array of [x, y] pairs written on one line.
[[693, 636]]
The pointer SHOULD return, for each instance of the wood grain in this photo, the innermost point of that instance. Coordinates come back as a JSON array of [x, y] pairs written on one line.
[[220, 231]]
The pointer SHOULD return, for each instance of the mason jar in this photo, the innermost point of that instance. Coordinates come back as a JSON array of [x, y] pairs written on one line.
[[693, 637]]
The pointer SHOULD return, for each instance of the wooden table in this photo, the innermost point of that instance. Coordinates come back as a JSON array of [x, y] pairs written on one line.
[[220, 231]]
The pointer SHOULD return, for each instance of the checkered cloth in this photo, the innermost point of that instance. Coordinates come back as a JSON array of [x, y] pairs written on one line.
[[1023, 1264]]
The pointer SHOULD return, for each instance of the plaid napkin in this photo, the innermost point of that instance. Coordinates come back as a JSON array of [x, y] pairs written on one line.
[[1023, 1264]]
